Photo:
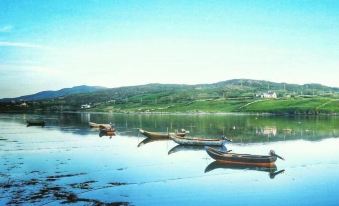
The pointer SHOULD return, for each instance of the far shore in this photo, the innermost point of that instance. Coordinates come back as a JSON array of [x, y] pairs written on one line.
[[171, 113]]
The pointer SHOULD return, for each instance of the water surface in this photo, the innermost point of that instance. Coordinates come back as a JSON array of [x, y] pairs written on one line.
[[67, 162]]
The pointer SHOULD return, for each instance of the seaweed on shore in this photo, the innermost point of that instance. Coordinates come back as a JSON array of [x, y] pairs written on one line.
[[73, 198], [117, 183], [55, 177], [45, 191], [83, 185]]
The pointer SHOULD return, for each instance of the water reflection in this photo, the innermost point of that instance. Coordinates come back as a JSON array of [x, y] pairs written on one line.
[[149, 140], [267, 131], [85, 117], [109, 134], [66, 160], [179, 148], [241, 128], [272, 170]]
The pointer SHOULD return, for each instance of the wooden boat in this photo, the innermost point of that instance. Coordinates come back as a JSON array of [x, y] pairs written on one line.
[[100, 126], [243, 159], [35, 122], [160, 135], [271, 170], [196, 140]]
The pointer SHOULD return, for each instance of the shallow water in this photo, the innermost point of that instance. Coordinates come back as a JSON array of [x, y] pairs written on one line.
[[66, 162]]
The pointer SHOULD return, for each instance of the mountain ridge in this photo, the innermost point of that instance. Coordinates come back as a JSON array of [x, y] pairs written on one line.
[[50, 94], [236, 95], [235, 85]]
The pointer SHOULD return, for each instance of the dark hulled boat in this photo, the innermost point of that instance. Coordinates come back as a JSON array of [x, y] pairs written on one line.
[[197, 141], [243, 159], [160, 135]]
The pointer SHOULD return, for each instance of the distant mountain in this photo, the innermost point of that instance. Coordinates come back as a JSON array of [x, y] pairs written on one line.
[[162, 93], [233, 88], [55, 94]]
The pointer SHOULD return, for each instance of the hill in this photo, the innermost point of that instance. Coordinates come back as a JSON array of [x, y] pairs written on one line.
[[55, 94], [237, 95]]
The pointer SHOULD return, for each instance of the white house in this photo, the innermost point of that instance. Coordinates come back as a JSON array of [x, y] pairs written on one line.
[[269, 95], [24, 104], [85, 106]]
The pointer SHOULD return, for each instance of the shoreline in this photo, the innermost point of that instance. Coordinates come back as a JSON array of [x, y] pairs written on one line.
[[174, 113]]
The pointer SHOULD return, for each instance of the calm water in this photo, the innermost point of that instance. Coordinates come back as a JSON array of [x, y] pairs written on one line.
[[66, 162]]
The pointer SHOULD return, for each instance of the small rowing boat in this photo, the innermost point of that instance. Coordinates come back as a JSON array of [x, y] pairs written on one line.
[[161, 135], [243, 159], [197, 141], [35, 122]]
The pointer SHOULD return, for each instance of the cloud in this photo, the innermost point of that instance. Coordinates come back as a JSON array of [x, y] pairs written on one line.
[[6, 28], [22, 45]]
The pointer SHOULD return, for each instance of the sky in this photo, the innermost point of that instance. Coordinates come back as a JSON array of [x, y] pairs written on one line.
[[52, 44]]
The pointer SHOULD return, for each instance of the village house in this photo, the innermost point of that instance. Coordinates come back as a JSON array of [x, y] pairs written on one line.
[[24, 104], [85, 106], [269, 95]]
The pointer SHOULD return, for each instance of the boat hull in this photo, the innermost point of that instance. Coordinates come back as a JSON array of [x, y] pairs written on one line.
[[154, 135], [196, 141], [242, 159], [158, 135]]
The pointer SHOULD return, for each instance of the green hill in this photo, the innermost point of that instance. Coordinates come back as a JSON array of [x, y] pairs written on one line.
[[237, 95]]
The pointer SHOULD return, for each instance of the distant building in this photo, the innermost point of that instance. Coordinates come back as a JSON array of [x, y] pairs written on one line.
[[24, 104], [85, 106], [269, 95]]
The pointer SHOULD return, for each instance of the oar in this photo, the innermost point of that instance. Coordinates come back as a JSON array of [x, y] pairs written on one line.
[[279, 157], [273, 174], [272, 153], [225, 138]]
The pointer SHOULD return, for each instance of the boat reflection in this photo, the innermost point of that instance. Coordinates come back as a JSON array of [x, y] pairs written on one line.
[[109, 134], [272, 170], [242, 128], [149, 140], [36, 122], [179, 148]]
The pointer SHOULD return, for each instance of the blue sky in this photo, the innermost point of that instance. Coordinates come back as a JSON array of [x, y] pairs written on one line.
[[61, 43]]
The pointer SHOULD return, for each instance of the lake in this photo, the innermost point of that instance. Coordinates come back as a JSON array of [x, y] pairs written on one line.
[[66, 162]]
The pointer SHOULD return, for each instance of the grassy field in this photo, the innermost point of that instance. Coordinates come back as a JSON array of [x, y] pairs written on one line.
[[295, 105], [298, 105]]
